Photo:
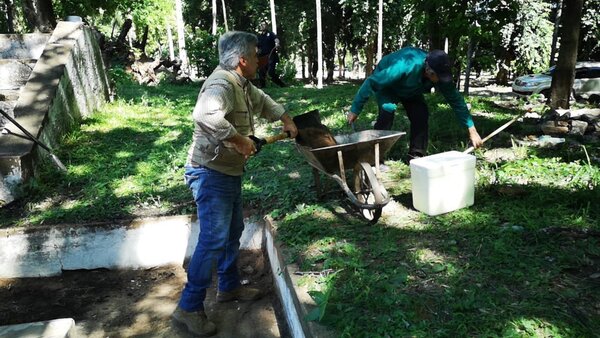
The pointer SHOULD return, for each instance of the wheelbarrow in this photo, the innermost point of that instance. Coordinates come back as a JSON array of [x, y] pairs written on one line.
[[359, 152]]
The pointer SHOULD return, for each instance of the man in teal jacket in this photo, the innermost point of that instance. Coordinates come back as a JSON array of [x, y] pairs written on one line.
[[404, 76]]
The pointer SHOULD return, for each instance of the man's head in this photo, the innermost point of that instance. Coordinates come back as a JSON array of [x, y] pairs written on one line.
[[263, 26], [238, 49], [437, 66]]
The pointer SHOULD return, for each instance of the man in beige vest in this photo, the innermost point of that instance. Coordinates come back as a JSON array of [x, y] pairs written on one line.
[[224, 117]]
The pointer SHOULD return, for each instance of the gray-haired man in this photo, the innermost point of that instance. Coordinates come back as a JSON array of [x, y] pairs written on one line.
[[223, 119]]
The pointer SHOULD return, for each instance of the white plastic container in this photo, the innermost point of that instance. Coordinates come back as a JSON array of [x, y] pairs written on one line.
[[443, 182]]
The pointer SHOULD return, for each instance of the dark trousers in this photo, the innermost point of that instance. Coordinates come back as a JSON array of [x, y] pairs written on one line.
[[269, 69], [418, 115]]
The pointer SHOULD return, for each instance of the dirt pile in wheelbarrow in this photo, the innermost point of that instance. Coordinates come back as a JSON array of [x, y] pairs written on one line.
[[311, 132]]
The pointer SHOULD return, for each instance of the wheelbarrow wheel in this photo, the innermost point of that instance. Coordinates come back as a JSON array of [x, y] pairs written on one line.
[[368, 191]]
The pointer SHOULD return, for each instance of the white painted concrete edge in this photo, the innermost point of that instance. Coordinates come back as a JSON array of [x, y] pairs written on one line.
[[57, 328], [284, 289], [142, 243]]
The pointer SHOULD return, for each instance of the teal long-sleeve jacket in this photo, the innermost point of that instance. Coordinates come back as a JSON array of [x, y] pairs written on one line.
[[399, 76]]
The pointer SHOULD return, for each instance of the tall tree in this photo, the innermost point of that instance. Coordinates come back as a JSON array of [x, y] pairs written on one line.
[[564, 73], [380, 31], [181, 36], [225, 16], [556, 10], [39, 15], [273, 18], [214, 17], [170, 43], [319, 46], [9, 16]]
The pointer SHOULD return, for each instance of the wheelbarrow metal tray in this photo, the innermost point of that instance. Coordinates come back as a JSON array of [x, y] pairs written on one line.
[[355, 147]]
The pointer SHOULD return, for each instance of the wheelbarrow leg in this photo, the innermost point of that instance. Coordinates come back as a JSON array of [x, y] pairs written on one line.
[[317, 178], [377, 170]]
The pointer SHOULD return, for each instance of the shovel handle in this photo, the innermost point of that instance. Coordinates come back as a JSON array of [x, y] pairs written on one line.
[[279, 137], [495, 132]]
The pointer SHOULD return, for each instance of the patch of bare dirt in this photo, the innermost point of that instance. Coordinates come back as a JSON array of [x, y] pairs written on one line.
[[138, 303]]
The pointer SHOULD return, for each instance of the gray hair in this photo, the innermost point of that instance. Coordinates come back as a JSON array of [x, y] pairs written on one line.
[[233, 45]]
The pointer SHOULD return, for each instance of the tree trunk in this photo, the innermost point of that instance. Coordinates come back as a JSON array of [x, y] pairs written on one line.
[[214, 17], [144, 40], [470, 51], [319, 46], [342, 63], [563, 77], [9, 16], [555, 32], [225, 16], [170, 43], [39, 15], [273, 17], [380, 32], [436, 41], [369, 56], [124, 30], [181, 37]]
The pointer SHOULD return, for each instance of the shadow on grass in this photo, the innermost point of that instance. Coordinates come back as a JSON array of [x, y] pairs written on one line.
[[508, 266], [122, 173]]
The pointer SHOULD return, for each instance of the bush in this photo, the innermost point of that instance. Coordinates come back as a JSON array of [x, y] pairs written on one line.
[[286, 70], [202, 52]]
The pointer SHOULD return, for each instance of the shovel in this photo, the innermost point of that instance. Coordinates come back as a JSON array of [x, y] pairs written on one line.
[[54, 158], [495, 132]]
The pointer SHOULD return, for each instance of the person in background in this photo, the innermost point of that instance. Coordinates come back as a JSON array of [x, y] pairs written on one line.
[[268, 45], [403, 77], [223, 118]]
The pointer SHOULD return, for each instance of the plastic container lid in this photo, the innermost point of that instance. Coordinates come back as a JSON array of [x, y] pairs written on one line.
[[443, 163]]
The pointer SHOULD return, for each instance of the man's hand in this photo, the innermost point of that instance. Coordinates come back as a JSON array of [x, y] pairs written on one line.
[[243, 145], [351, 117], [289, 125], [476, 140]]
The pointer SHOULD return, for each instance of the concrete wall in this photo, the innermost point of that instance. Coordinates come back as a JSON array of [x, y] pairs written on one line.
[[142, 243], [22, 46], [68, 82]]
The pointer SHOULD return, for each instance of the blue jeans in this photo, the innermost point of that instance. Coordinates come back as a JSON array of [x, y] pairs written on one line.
[[219, 201]]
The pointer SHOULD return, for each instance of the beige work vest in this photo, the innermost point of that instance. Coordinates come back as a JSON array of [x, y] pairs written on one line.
[[220, 155]]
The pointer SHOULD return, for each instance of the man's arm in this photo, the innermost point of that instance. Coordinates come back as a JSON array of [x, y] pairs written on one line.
[[459, 106], [264, 105]]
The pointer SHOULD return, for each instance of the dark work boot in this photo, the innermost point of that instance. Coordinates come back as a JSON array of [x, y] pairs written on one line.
[[195, 322]]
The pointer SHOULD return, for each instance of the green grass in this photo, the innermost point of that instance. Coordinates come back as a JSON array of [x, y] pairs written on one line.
[[523, 261]]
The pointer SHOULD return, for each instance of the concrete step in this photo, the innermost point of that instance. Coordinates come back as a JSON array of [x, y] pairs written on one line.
[[9, 95], [8, 100], [57, 328], [22, 46], [14, 73]]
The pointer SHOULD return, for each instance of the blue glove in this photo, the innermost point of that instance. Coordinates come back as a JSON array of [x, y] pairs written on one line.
[[389, 107]]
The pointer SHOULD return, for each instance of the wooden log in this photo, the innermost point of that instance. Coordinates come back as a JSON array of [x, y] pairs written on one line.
[[555, 127]]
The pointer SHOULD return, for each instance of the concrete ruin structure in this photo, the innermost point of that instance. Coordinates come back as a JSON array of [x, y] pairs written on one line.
[[48, 83]]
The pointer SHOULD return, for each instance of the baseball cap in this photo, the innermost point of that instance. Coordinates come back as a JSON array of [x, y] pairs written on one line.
[[439, 61]]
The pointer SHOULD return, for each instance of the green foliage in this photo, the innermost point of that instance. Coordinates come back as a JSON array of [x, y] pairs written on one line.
[[321, 298], [520, 262], [202, 51], [119, 77], [286, 70]]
